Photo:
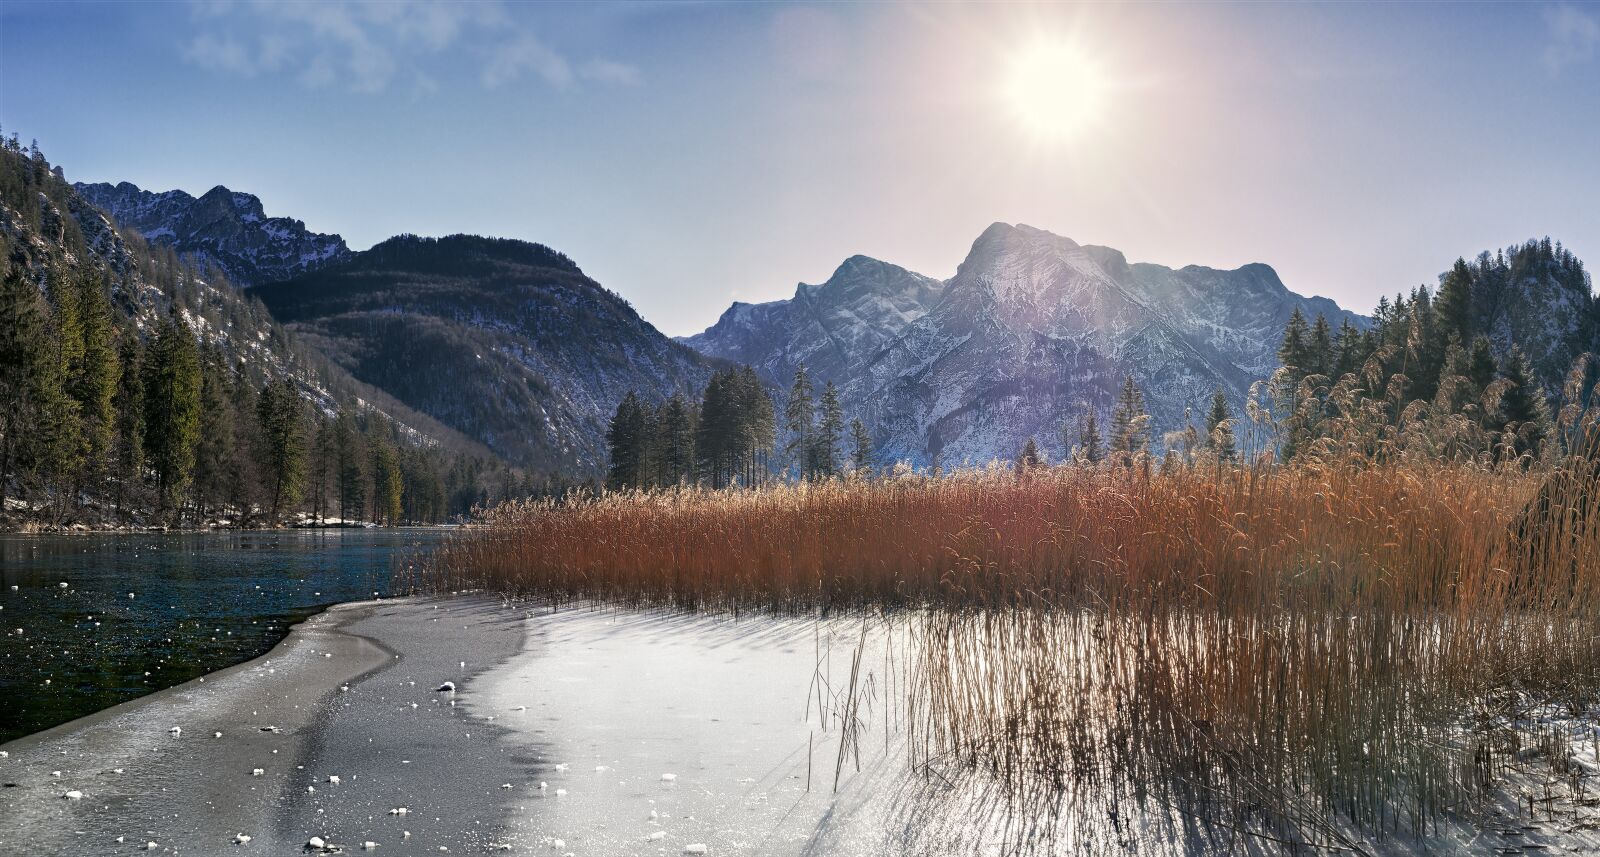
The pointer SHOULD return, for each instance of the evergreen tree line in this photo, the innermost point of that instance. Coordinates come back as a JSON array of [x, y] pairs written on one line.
[[64, 343], [99, 423], [816, 430], [1126, 440], [730, 436], [1429, 377]]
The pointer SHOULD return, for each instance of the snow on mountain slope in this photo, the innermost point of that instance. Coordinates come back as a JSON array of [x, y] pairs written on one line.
[[1033, 331], [52, 231], [862, 308], [221, 227]]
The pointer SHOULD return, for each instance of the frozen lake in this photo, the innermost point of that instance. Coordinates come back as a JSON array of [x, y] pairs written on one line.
[[655, 733], [583, 732], [200, 602]]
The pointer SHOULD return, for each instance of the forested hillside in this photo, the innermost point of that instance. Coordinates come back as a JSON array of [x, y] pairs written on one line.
[[1494, 363], [141, 390], [506, 341]]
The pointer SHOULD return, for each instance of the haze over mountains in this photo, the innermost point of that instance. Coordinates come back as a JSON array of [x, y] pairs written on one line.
[[511, 344], [1033, 330]]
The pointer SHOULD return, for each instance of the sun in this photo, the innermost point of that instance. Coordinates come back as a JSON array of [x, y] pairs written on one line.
[[1054, 90]]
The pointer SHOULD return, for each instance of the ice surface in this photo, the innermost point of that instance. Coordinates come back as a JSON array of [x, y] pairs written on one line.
[[698, 733]]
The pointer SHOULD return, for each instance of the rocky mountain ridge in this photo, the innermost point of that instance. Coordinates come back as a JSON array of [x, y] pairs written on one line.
[[50, 230], [221, 227], [1032, 332]]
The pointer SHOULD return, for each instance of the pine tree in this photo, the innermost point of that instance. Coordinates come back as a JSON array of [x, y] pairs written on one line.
[[244, 475], [626, 437], [1028, 458], [281, 417], [215, 450], [799, 419], [1090, 445], [34, 409], [1523, 408], [350, 468], [1349, 350], [1480, 364], [1322, 358], [719, 432], [675, 442], [321, 474], [759, 420], [830, 426], [1130, 424], [1219, 427], [1425, 348], [860, 447], [127, 454], [1454, 304], [424, 490], [66, 459], [171, 410], [1383, 314], [1295, 352], [387, 482], [649, 460], [92, 384]]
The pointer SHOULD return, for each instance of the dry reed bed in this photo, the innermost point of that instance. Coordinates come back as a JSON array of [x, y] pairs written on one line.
[[1314, 653]]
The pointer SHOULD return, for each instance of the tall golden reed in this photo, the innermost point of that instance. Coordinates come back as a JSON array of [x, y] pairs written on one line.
[[1308, 653]]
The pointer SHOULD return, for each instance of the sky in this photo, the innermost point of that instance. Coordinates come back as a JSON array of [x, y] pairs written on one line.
[[689, 155]]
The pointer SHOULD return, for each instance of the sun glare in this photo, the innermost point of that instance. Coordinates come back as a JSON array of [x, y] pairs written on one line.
[[1054, 90]]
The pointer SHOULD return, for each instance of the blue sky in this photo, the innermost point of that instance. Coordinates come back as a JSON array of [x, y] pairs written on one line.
[[689, 155]]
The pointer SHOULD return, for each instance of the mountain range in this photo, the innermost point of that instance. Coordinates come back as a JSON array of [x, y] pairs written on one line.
[[220, 228], [506, 341], [52, 231], [510, 344], [1032, 332]]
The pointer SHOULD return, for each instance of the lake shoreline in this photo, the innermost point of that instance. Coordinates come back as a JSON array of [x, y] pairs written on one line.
[[91, 621], [31, 528], [352, 678], [626, 715]]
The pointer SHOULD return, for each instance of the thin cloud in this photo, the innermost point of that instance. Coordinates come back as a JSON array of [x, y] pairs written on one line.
[[510, 59], [606, 71], [1574, 37], [366, 46], [221, 53]]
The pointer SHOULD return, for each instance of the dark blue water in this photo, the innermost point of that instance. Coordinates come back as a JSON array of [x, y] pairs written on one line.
[[199, 602]]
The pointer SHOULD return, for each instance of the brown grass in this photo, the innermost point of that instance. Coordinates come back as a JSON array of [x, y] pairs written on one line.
[[1316, 653]]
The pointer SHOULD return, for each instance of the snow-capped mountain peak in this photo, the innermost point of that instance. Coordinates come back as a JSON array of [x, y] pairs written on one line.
[[863, 305], [1033, 331]]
